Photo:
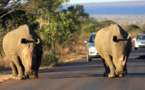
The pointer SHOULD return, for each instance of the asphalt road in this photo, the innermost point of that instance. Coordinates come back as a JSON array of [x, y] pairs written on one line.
[[83, 75]]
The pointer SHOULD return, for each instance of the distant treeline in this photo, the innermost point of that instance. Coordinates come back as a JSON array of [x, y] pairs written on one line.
[[117, 8]]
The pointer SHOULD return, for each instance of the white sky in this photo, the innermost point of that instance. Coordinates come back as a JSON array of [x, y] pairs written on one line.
[[91, 1]]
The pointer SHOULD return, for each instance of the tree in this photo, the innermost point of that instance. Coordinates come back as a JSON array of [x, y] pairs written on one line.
[[77, 11], [32, 9], [62, 26], [28, 13]]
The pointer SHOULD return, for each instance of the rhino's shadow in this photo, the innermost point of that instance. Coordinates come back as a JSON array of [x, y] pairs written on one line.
[[135, 75], [75, 66], [72, 76], [74, 70], [141, 57]]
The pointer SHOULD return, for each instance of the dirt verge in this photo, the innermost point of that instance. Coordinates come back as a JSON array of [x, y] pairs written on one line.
[[5, 77]]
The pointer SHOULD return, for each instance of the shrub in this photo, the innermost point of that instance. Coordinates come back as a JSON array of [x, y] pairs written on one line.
[[131, 27], [49, 58]]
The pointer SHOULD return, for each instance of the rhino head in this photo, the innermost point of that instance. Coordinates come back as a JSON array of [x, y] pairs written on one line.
[[121, 53], [29, 55]]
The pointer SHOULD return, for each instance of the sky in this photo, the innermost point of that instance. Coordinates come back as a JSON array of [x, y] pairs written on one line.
[[91, 1]]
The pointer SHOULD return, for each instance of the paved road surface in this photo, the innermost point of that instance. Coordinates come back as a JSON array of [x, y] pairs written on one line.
[[83, 75]]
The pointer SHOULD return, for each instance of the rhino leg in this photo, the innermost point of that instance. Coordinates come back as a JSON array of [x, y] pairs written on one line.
[[107, 70], [111, 66], [15, 60], [14, 70], [27, 71], [124, 71], [38, 65], [35, 75]]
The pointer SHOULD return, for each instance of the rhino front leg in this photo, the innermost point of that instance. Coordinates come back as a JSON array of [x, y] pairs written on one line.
[[107, 70], [36, 67], [111, 66], [16, 61], [14, 70], [38, 64]]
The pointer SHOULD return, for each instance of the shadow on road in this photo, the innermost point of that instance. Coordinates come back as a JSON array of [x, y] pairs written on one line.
[[141, 57], [135, 75], [135, 60], [71, 76], [90, 75], [132, 74], [75, 66], [79, 69]]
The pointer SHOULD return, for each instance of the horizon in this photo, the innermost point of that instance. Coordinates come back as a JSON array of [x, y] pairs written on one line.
[[121, 8], [98, 1]]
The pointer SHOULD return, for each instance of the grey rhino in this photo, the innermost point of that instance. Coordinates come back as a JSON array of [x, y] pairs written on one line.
[[23, 48], [114, 46]]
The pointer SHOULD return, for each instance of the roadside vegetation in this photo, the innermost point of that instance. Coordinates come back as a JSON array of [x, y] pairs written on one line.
[[62, 30]]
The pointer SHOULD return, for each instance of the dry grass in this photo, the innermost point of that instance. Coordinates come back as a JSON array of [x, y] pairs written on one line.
[[72, 51], [135, 33], [4, 63], [63, 53], [4, 69]]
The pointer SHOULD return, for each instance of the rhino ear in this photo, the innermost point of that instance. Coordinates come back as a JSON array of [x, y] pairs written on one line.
[[37, 41], [115, 38], [24, 41]]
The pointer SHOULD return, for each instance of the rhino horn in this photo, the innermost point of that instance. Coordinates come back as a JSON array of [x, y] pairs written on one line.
[[129, 36]]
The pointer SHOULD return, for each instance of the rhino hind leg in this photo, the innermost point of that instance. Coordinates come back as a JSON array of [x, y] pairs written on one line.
[[16, 62], [14, 70]]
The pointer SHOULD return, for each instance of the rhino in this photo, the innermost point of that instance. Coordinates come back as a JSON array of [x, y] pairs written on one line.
[[114, 46], [23, 48]]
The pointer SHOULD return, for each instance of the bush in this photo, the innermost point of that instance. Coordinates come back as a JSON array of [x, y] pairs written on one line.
[[49, 58], [91, 25], [89, 28], [131, 27], [4, 64], [143, 28], [106, 23]]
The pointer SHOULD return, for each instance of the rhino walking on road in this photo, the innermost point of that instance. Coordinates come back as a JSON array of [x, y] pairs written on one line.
[[23, 48], [114, 46]]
